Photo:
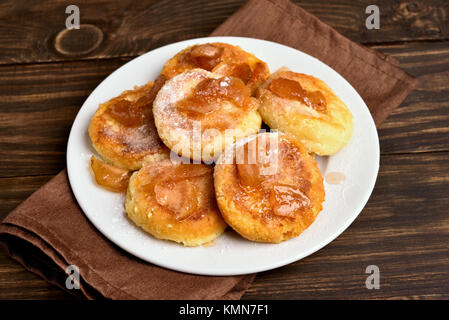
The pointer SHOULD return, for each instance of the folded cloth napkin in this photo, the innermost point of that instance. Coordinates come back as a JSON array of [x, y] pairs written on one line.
[[48, 231]]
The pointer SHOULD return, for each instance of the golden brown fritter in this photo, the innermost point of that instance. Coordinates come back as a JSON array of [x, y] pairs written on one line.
[[175, 201], [123, 132], [221, 58], [306, 108], [268, 188]]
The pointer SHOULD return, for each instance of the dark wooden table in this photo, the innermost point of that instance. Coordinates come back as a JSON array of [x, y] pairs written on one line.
[[404, 228]]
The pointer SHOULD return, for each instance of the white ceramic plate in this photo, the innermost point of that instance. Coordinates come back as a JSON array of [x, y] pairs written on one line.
[[232, 254]]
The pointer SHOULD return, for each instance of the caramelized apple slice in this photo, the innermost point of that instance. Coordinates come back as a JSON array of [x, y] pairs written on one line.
[[110, 177], [207, 56], [290, 89], [258, 75], [249, 175], [257, 161], [241, 70], [209, 93], [247, 165], [287, 200], [177, 196], [206, 50]]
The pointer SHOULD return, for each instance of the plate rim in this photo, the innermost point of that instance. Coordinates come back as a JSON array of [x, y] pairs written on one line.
[[246, 270]]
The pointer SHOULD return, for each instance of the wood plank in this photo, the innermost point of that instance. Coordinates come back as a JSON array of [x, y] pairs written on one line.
[[15, 190], [404, 230], [421, 123], [39, 104], [399, 20], [29, 30], [18, 283], [40, 101]]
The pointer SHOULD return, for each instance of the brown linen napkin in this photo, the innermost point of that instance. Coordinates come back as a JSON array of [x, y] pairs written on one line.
[[48, 231]]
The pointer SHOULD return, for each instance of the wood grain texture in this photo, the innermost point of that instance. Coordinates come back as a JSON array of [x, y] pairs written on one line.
[[15, 190], [421, 123], [18, 283], [28, 29]]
